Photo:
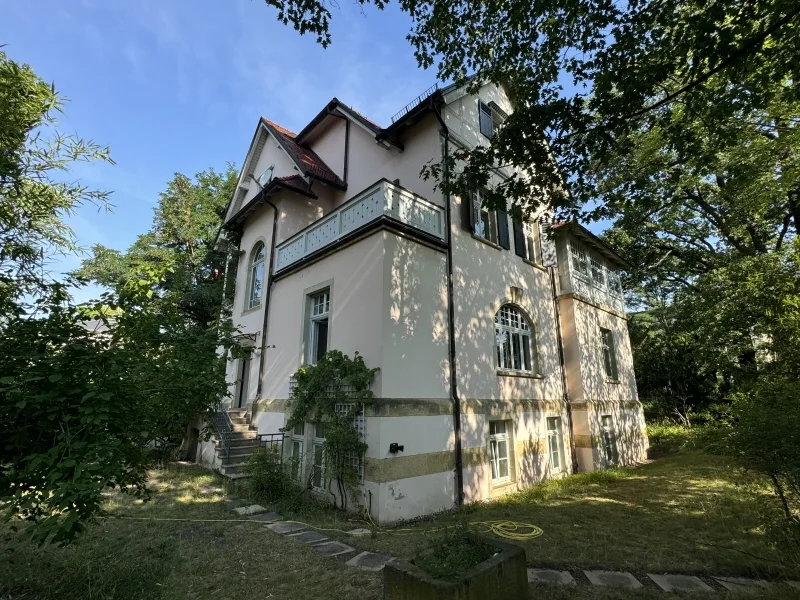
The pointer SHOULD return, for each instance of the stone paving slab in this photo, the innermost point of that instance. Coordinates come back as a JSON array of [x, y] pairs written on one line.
[[268, 517], [613, 579], [284, 528], [369, 561], [333, 548], [252, 509], [308, 537], [550, 576], [741, 584], [680, 583]]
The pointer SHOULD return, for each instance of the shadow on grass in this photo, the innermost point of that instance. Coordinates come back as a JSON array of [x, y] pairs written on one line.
[[687, 513]]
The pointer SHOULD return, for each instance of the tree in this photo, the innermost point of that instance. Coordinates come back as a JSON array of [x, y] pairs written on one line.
[[181, 242], [33, 199], [584, 75], [82, 410]]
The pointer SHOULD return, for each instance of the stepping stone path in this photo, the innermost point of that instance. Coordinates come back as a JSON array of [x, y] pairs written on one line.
[[333, 548], [740, 584], [613, 579], [680, 583], [285, 527], [308, 537], [369, 561], [550, 576], [253, 509]]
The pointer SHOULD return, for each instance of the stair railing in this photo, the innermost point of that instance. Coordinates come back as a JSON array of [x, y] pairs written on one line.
[[224, 427]]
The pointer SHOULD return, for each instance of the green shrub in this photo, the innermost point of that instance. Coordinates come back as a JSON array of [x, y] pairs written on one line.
[[453, 552], [269, 479]]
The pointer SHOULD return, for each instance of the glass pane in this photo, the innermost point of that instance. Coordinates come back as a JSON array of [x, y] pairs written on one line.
[[502, 449], [319, 430], [320, 338], [526, 353], [497, 427], [299, 429], [502, 468], [493, 461], [516, 360]]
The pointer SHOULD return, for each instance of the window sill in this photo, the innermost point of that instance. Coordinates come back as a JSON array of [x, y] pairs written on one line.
[[535, 264], [499, 487], [504, 373], [614, 381], [247, 311], [487, 242]]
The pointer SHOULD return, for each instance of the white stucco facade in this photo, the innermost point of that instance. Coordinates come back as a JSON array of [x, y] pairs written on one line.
[[357, 224]]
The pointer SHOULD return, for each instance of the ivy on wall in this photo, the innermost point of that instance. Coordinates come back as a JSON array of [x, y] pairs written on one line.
[[329, 393]]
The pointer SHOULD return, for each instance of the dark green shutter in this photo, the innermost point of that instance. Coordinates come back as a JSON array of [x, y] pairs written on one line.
[[519, 239], [502, 229], [468, 212]]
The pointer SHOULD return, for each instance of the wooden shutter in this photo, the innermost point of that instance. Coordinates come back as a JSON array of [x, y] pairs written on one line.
[[519, 239], [502, 229]]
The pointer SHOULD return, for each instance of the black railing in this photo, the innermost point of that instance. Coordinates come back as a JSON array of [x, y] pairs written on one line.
[[224, 427], [272, 441], [415, 102]]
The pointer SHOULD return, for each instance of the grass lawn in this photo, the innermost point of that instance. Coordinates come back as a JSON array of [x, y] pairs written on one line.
[[681, 514], [137, 559]]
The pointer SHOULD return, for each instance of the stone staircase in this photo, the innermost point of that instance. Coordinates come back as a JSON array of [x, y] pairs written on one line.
[[243, 443]]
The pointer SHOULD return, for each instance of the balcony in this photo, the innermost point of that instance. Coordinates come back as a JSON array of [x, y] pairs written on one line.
[[599, 294], [382, 201]]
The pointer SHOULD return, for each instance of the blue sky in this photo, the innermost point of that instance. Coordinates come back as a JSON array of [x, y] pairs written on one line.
[[179, 85]]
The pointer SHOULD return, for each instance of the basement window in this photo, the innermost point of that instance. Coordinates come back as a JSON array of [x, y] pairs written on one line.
[[498, 451]]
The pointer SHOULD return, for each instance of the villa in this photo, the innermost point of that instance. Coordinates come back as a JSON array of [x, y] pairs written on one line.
[[502, 345]]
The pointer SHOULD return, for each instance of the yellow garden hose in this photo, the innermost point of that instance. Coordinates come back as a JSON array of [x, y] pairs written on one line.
[[510, 530]]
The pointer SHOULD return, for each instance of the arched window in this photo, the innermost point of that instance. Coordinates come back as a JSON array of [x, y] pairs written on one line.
[[256, 275], [515, 341]]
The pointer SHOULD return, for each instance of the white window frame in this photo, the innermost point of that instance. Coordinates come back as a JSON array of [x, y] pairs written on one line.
[[256, 275], [496, 440], [555, 443], [533, 242], [609, 439], [512, 327], [320, 303], [485, 220], [608, 350], [298, 451], [579, 262], [318, 468]]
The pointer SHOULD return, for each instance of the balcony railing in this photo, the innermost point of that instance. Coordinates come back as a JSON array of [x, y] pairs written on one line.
[[600, 295], [384, 199]]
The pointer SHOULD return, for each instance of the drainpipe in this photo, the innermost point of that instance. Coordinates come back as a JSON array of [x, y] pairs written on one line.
[[267, 297], [562, 362], [459, 496]]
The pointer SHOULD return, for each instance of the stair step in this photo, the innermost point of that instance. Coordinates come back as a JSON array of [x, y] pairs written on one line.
[[233, 469]]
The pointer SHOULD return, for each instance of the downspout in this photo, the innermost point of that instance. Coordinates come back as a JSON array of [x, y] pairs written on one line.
[[562, 362], [459, 496], [267, 298]]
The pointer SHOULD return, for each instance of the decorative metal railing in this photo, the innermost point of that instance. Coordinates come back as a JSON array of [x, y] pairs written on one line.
[[223, 426], [384, 199], [272, 441], [415, 102]]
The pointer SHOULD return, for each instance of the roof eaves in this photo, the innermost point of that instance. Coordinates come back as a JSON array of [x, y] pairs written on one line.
[[594, 240]]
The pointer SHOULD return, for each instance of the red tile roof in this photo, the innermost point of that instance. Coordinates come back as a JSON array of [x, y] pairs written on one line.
[[304, 157]]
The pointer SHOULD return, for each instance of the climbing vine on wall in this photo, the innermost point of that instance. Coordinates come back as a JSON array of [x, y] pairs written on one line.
[[328, 393]]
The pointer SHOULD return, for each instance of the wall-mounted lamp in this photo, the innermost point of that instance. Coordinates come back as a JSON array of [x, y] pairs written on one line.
[[394, 448]]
